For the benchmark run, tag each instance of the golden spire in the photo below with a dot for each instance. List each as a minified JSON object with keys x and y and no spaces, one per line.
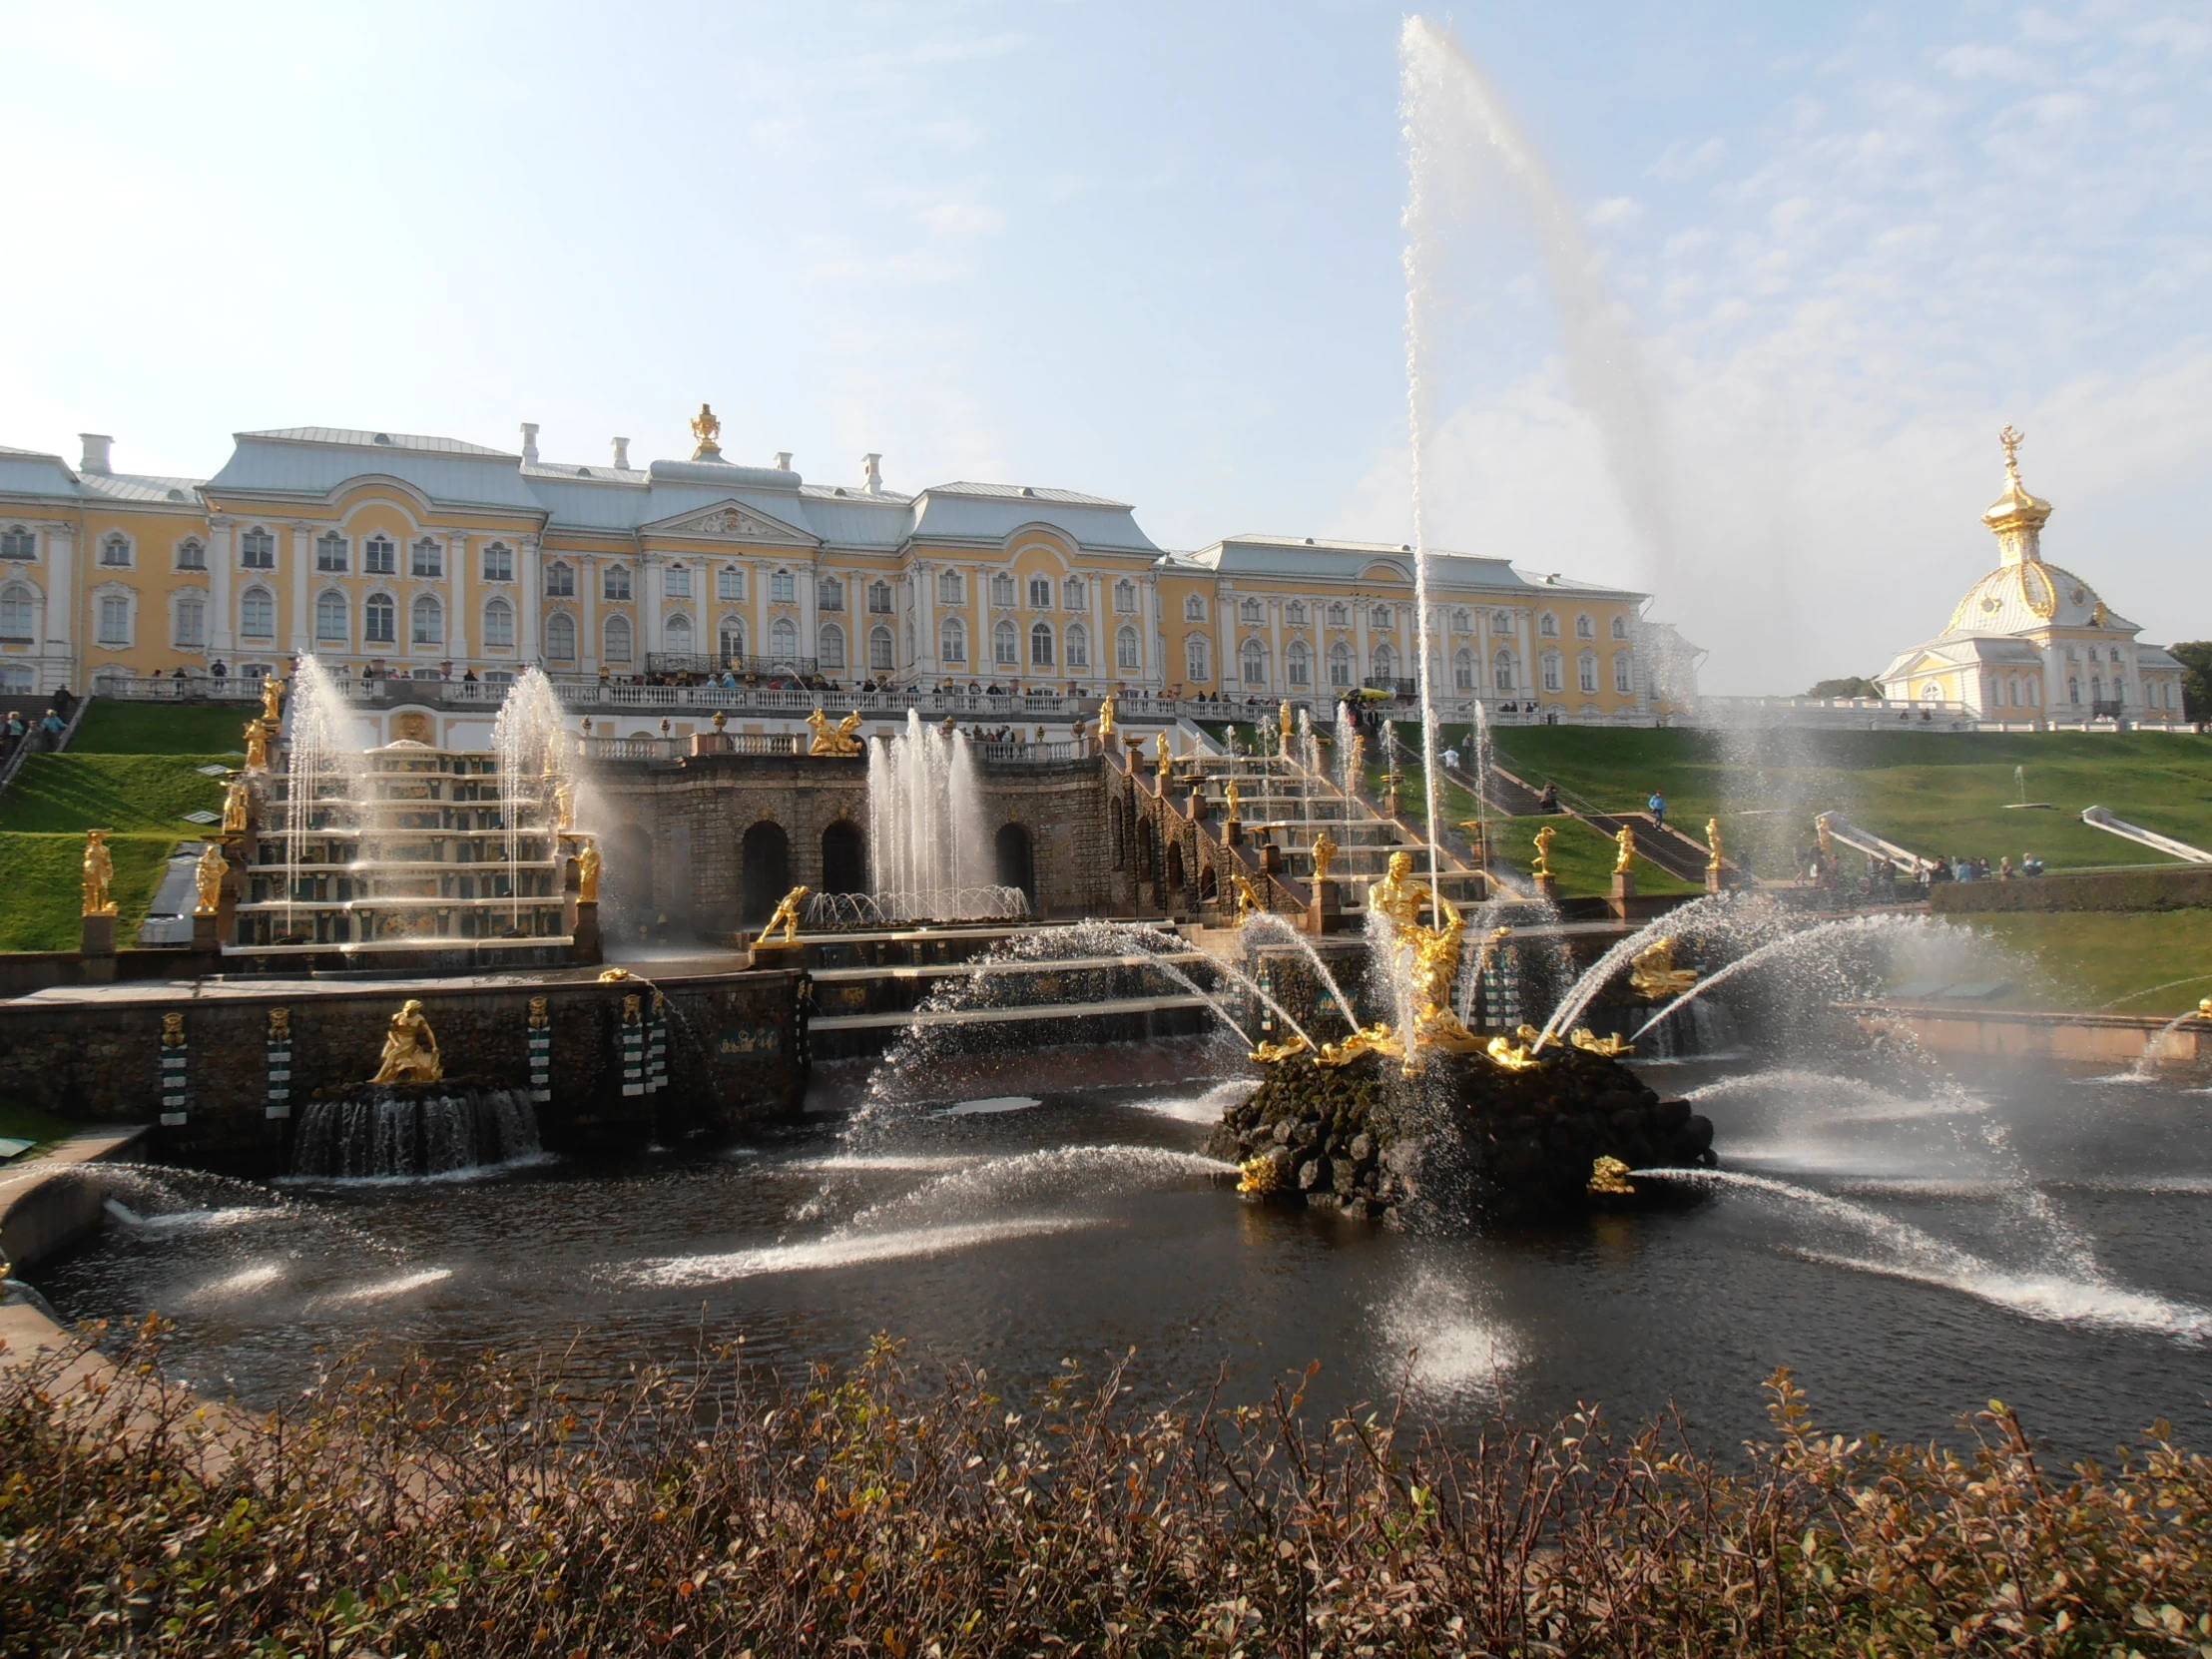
{"x":706,"y":429}
{"x":2017,"y":517}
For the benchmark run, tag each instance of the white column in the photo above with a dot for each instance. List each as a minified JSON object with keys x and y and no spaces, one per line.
{"x":1280,"y":679}
{"x":925,"y":665}
{"x":60,"y":614}
{"x":456,"y":625}
{"x":1359,"y":663}
{"x":1525,"y":622}
{"x":529,"y":599}
{"x":810,"y":638}
{"x":1152,"y":640}
{"x":221,"y":556}
{"x":652,"y":598}
{"x":1104,"y":663}
{"x":297,"y":639}
{"x":1225,"y":635}
{"x":587,"y":588}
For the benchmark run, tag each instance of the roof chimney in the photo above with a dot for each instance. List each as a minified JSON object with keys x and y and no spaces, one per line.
{"x":96,"y":451}
{"x":529,"y":444}
{"x":622,"y":454}
{"x":783,"y":460}
{"x":872,"y":473}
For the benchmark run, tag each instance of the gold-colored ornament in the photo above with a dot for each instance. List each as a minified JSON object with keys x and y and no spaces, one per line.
{"x":706,"y":429}
{"x":1512,"y":1055}
{"x":273,"y":699}
{"x":1283,"y":716}
{"x":1653,"y":975}
{"x":1713,"y":844}
{"x":173,"y":1030}
{"x":237,"y":800}
{"x":1610,"y":1045}
{"x":2204,"y":1008}
{"x":1609,"y":1178}
{"x":614,"y":976}
{"x":1827,"y":837}
{"x":1228,"y":794}
{"x":410,"y":1048}
{"x":1162,"y":760}
{"x":836,"y":740}
{"x":1259,"y":1175}
{"x":587,"y":872}
{"x":1267,"y":1054}
{"x":564,"y":803}
{"x":785,"y":917}
{"x":256,"y":746}
{"x":1544,"y":838}
{"x":1369,"y":1039}
{"x":208,"y":876}
{"x":632,"y":1010}
{"x":1106,"y":716}
{"x":1248,"y":902}
{"x":1325,"y":853}
{"x":539,"y":1018}
{"x":1398,"y":895}
{"x":99,"y":874}
{"x":1625,"y":840}
{"x":279,"y":1025}
{"x":719,"y":718}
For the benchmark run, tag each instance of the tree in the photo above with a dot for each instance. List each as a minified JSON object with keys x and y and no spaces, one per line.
{"x":2196,"y":689}
{"x":1851,"y":686}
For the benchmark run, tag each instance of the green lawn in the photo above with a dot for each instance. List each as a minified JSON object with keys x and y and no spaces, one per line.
{"x":197,"y":729}
{"x":26,"y":1123}
{"x":2099,"y":960}
{"x":124,"y":792}
{"x":42,"y":888}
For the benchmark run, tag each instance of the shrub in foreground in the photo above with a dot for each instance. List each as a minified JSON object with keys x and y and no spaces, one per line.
{"x":709,"y":1510}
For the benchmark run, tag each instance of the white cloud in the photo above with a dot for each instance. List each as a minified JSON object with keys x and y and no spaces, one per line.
{"x":1616,"y":210}
{"x":951,"y":220}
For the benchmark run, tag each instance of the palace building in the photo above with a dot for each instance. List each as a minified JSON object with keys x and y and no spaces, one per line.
{"x":386,"y":553}
{"x":2033,"y":642}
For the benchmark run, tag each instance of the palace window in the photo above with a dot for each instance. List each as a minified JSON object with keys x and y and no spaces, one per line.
{"x":730,"y":638}
{"x":1255,"y":665}
{"x":1125,"y":598}
{"x":1251,"y":614}
{"x":616,"y":633}
{"x":1552,"y":667}
{"x":1501,"y":622}
{"x":1002,"y":589}
{"x":1194,"y":607}
{"x":1463,"y":671}
{"x":1040,"y":593}
{"x":1586,"y":671}
{"x":783,"y":588}
{"x":560,"y":638}
{"x":1620,"y":627}
{"x":730,"y":582}
{"x":829,"y":647}
{"x":1462,"y":622}
{"x":1624,"y":674}
{"x":1339,"y":666}
{"x":379,"y":557}
{"x":190,"y":555}
{"x":256,"y":613}
{"x":1126,"y":650}
{"x":258,"y":550}
{"x":560,"y":580}
{"x":1502,"y":663}
{"x":1298,"y":667}
{"x":676,"y":634}
{"x":1040,"y":645}
{"x":879,"y":599}
{"x":952,"y":589}
{"x":1584,"y":628}
{"x":115,"y":619}
{"x":615,"y":584}
{"x":329,"y":553}
{"x":1385,"y":663}
{"x":429,"y":622}
{"x":115,"y":553}
{"x":18,"y":614}
{"x":880,"y":650}
{"x":783,"y":639}
{"x":499,"y":626}
{"x":1079,"y":646}
{"x":1072,"y":596}
{"x":426,"y":560}
{"x":1339,"y":615}
{"x":830,"y":593}
{"x":191,"y":622}
{"x":1378,"y":619}
{"x":1006,"y":645}
{"x":380,"y":619}
{"x":1548,"y":626}
{"x":16,"y":542}
{"x":952,"y":641}
{"x":1295,"y":613}
{"x":498,"y":562}
{"x":1197,"y":658}
{"x":675,"y":580}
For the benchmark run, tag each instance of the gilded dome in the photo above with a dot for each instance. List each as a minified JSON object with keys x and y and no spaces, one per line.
{"x":2019,"y":598}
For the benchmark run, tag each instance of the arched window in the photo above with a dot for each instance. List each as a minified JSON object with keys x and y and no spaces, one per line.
{"x":1197,"y":660}
{"x":1126,"y":654}
{"x":1294,"y":614}
{"x":1125,"y":598}
{"x":783,"y":639}
{"x":1502,"y":666}
{"x":1255,"y":665}
{"x":115,"y":552}
{"x":616,"y":635}
{"x":192,"y":621}
{"x":1552,"y":668}
{"x":952,"y":640}
{"x":115,"y":620}
{"x":1378,"y":619}
{"x":615,"y":584}
{"x":258,"y":550}
{"x":1933,"y":692}
{"x":499,"y":562}
{"x":1385,"y":663}
{"x":1620,"y":627}
{"x":676,"y":635}
{"x":1548,"y":626}
{"x":1624,"y":673}
{"x":829,"y":647}
{"x":426,"y":560}
{"x":191,"y":554}
{"x":332,"y":626}
{"x":429,"y":620}
{"x":1251,"y":612}
{"x":1298,"y":666}
{"x":1461,"y":622}
{"x":1463,"y":670}
{"x":499,"y":626}
{"x":1501,"y":622}
{"x":676,"y":581}
{"x":18,"y":613}
{"x":1040,"y":593}
{"x":560,"y":638}
{"x":830,"y":593}
{"x":952,"y":590}
{"x":730,"y":582}
{"x":1586,"y":671}
{"x":1006,"y":645}
{"x":378,"y":556}
{"x":1002,"y":589}
{"x":1194,"y":607}
{"x":560,"y":580}
{"x":880,"y":650}
{"x":1339,"y":666}
{"x":1078,"y":646}
{"x":730,"y":639}
{"x":2073,"y":693}
{"x":1072,"y":594}
{"x":256,"y":613}
{"x":1040,"y":645}
{"x":879,"y":599}
{"x":18,"y":542}
{"x":1339,"y":615}
{"x":1584,"y":628}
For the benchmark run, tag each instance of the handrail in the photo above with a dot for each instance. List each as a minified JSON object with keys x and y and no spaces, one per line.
{"x":2102,"y":818}
{"x":27,"y":748}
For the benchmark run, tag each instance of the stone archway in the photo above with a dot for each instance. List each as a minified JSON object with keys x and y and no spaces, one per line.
{"x":763,"y":872}
{"x":1017,"y":867}
{"x":844,"y":857}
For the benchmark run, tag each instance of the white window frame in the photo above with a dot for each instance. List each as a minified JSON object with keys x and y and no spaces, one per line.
{"x":498,"y":625}
{"x":615,"y":624}
{"x":615,"y":577}
{"x":497,"y":562}
{"x":426,"y":605}
{"x":426,"y":559}
{"x":557,"y":624}
{"x":952,"y":640}
{"x":1005,"y":644}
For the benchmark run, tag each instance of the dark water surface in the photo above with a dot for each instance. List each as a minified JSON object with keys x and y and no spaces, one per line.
{"x":1909,"y":1253}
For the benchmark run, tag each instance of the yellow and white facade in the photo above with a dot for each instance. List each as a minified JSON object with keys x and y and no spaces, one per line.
{"x":390,"y":553}
{"x":2033,"y":642}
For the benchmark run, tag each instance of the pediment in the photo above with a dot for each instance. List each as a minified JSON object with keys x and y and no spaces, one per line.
{"x":732,"y":521}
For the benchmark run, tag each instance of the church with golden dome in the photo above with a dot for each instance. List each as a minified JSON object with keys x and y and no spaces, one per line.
{"x":2033,"y":642}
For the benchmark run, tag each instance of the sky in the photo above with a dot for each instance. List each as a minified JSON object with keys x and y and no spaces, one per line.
{"x":1156,"y":253}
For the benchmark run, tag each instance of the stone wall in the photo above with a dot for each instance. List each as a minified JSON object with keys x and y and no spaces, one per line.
{"x":735,"y":1056}
{"x":2182,"y":887}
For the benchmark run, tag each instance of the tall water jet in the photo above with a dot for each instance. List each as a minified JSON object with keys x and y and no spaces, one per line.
{"x":525,"y":734}
{"x":322,"y":760}
{"x":929,"y":857}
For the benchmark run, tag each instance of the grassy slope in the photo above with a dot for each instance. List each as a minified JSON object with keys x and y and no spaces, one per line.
{"x":145,"y":793}
{"x":112,"y":728}
{"x":2091,"y":961}
{"x":42,"y":888}
{"x":25,"y":1123}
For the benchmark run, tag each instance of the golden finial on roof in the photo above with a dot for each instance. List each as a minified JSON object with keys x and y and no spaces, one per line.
{"x":2012,"y":437}
{"x":2017,"y":518}
{"x":706,"y":429}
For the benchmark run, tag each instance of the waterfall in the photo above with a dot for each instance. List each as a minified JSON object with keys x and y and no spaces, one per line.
{"x":381,"y":1131}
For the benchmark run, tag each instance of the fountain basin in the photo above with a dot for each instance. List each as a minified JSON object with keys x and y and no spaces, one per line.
{"x":402,"y":1129}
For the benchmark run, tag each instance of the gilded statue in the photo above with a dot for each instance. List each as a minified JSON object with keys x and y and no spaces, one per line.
{"x":1609,"y":1178}
{"x":1162,"y":760}
{"x":835,"y":739}
{"x":587,"y":872}
{"x":410,"y":1048}
{"x":564,"y":803}
{"x":1398,"y":895}
{"x":173,"y":1030}
{"x":1283,"y":716}
{"x":99,"y":874}
{"x":1544,"y":838}
{"x":1106,"y":716}
{"x":706,"y":429}
{"x":1513,"y":1056}
{"x":1259,"y":1175}
{"x":1267,"y":1054}
{"x":1609,"y":1045}
{"x":1228,"y":794}
{"x":273,"y":699}
{"x":1625,"y":840}
{"x":1325,"y":854}
{"x":279,"y":1025}
{"x":237,"y":802}
{"x":1652,"y":973}
{"x":208,"y":876}
{"x":256,"y":746}
{"x":1827,"y":839}
{"x":1248,"y":902}
{"x":1713,"y":844}
{"x":539,"y":1018}
{"x":785,"y":917}
{"x":1368,"y":1039}
{"x":1357,"y":770}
